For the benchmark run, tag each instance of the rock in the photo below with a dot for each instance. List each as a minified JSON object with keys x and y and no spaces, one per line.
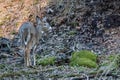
{"x":112,"y":21}
{"x":61,"y":59}
{"x":5,"y":45}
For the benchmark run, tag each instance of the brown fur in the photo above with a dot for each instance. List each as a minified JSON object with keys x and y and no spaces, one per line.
{"x":30,"y":35}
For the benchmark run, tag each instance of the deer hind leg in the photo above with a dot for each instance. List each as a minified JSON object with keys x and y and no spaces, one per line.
{"x":27,"y":57}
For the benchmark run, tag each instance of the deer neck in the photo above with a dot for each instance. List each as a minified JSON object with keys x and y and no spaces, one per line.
{"x":38,"y":34}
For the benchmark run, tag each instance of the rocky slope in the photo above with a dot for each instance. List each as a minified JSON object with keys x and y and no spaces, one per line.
{"x":77,"y":25}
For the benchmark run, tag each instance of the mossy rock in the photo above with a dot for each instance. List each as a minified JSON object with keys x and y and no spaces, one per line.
{"x":84,"y":58}
{"x":46,"y":61}
{"x":84,"y":54}
{"x":83,"y":62}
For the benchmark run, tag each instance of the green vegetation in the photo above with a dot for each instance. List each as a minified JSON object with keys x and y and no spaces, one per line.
{"x":46,"y":61}
{"x":84,"y":58}
{"x":84,"y":54}
{"x":109,"y":63}
{"x":72,"y":33}
{"x":74,"y":24}
{"x":111,"y":60}
{"x":111,"y":57}
{"x":118,"y":60}
{"x":84,"y":62}
{"x":2,"y":66}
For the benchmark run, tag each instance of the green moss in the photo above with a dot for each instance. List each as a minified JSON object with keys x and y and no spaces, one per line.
{"x":46,"y":61}
{"x":84,"y":58}
{"x":84,"y":62}
{"x":84,"y":54}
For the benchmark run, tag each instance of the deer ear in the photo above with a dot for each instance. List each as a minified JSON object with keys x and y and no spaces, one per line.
{"x":38,"y":21}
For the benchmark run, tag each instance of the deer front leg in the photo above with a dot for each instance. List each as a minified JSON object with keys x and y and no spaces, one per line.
{"x":33,"y":56}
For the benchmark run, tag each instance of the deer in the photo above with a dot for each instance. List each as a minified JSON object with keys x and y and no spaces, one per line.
{"x":30,"y":35}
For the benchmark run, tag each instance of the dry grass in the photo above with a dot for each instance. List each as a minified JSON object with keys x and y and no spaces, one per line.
{"x":15,"y":12}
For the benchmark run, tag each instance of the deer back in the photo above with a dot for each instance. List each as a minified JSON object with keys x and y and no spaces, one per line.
{"x":27,"y":34}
